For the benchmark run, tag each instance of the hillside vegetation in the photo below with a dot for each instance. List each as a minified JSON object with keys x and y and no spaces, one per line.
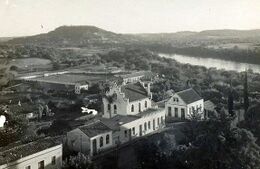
{"x":234,"y":45}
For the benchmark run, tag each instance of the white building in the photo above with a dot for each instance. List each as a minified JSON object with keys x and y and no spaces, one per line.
{"x":42,"y":154}
{"x":90,"y":139}
{"x":128,"y":110}
{"x":184,"y":104}
{"x":134,"y":77}
{"x":128,"y":113}
{"x":129,"y":99}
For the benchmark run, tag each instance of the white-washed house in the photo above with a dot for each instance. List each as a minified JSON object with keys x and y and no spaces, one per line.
{"x":41,"y":154}
{"x":90,"y":138}
{"x":128,"y":113}
{"x":129,"y":109}
{"x":184,"y":104}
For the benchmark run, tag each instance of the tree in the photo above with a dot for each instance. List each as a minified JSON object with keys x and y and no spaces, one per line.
{"x":246,"y":101}
{"x":252,"y":120}
{"x":218,"y":145}
{"x":80,"y":161}
{"x":231,"y":102}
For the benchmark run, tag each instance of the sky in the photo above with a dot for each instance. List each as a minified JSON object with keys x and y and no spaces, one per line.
{"x":30,"y":17}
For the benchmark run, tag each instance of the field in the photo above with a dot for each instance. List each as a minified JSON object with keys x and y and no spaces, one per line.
{"x":29,"y":62}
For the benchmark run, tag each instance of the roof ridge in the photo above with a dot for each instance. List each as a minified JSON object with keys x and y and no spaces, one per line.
{"x":88,"y":124}
{"x":22,"y":145}
{"x":185,"y":90}
{"x":137,"y":91}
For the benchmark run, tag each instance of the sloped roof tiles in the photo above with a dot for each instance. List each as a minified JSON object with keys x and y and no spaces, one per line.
{"x":134,"y":91}
{"x":189,"y":95}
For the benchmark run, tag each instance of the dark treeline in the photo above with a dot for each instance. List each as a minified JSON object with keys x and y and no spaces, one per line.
{"x":232,"y":54}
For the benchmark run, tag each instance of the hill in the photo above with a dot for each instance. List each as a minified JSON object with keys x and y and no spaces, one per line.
{"x":207,"y":37}
{"x":77,"y":36}
{"x":4,"y":39}
{"x":84,"y":36}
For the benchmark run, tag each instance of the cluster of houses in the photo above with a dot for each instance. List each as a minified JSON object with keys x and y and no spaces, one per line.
{"x":128,"y":113}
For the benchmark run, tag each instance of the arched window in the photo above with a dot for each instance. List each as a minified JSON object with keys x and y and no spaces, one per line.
{"x":107,"y":139}
{"x":145,"y":104}
{"x":132,"y":108}
{"x":115,"y":109}
{"x":101,"y":142}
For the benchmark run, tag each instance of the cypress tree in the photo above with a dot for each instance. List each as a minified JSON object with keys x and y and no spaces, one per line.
{"x":246,"y":101}
{"x":231,"y":102}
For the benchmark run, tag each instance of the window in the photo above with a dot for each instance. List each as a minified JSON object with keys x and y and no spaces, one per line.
{"x":107,"y":139}
{"x":177,"y":99}
{"x":170,"y":111}
{"x":41,"y":165}
{"x":28,"y":167}
{"x":145,"y":104}
{"x":140,"y":107}
{"x":158,"y":121}
{"x":149,"y":125}
{"x":153,"y":124}
{"x":133,"y":130}
{"x":132,"y":108}
{"x":140,"y":130}
{"x":115,"y":109}
{"x":145,"y":126}
{"x":162,"y":119}
{"x":176,"y":111}
{"x":101,"y":142}
{"x":125,"y":133}
{"x":53,"y":160}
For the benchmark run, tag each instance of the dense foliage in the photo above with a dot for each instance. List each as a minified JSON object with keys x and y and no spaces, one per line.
{"x":217,"y":145}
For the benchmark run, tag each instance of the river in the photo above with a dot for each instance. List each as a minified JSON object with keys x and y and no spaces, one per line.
{"x":210,"y":62}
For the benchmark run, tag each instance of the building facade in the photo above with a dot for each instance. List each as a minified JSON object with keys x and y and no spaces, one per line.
{"x":42,"y":154}
{"x":129,"y":99}
{"x":129,"y":108}
{"x":185,"y":104}
{"x":90,"y":139}
{"x":128,"y":113}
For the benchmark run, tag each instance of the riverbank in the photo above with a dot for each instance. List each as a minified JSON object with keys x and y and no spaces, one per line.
{"x":213,"y":63}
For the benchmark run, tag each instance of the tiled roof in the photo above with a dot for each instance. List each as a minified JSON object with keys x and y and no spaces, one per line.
{"x":94,"y":129}
{"x":150,"y":111}
{"x":208,"y":105}
{"x":115,"y":122}
{"x":11,"y":154}
{"x":189,"y":96}
{"x":134,"y":91}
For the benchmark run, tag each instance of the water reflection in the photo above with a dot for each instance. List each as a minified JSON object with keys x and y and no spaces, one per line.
{"x":217,"y":63}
